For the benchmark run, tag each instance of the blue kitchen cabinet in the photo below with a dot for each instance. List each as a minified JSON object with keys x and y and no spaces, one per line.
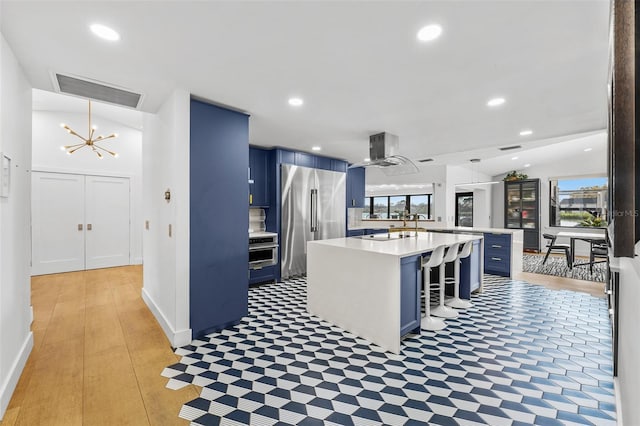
{"x":355,"y":187}
{"x":305,"y":160}
{"x":355,"y":232}
{"x":339,"y":165}
{"x":284,"y":156}
{"x":219,"y":159}
{"x":497,"y":254}
{"x":323,"y":163}
{"x":370,"y":231}
{"x":258,"y":173}
{"x":470,"y":272}
{"x":262,"y":275}
{"x":410,"y":289}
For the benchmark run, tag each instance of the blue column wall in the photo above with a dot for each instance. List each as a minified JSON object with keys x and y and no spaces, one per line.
{"x":219,"y":160}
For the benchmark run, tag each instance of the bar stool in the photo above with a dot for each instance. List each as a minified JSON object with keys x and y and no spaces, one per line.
{"x":455,"y":301}
{"x":442,"y":310}
{"x":434,"y":260}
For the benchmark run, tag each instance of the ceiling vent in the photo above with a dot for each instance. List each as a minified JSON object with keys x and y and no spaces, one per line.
{"x":425,"y":160}
{"x":509,"y":148}
{"x":97,"y":90}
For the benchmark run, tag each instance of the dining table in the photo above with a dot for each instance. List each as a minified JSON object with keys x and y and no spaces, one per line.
{"x":590,"y":237}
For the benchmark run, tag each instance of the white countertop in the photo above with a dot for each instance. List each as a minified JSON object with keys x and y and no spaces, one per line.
{"x":399,"y":247}
{"x":262,"y":234}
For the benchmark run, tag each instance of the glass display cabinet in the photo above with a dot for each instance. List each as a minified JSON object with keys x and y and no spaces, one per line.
{"x":522,"y":210}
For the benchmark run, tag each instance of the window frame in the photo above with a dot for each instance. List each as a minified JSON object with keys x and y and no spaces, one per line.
{"x":551,"y":205}
{"x":407,"y":198}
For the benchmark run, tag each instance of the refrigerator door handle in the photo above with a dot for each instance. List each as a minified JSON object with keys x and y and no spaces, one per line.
{"x":314,"y":210}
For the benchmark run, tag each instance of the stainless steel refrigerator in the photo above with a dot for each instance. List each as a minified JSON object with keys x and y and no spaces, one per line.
{"x":313,"y":208}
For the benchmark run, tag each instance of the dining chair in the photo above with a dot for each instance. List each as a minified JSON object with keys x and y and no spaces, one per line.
{"x":599,"y":250}
{"x":553,"y":246}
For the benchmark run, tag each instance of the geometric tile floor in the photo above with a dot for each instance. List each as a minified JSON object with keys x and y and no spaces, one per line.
{"x":522,"y":355}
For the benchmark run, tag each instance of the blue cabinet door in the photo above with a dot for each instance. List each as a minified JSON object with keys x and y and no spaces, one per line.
{"x":305,"y":160}
{"x":259,"y":189}
{"x":470,"y":272}
{"x":355,"y":232}
{"x":323,"y":163}
{"x":497,"y":254}
{"x":218,"y":240}
{"x":355,"y":187}
{"x":339,"y":166}
{"x":410,"y":288}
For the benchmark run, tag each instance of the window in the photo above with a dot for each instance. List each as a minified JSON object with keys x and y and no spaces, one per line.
{"x":380,"y":208}
{"x":392,"y":207}
{"x":420,"y":205}
{"x":578,"y":202}
{"x":397,"y":206}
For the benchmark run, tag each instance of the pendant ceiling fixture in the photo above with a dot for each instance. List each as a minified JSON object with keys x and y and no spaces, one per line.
{"x":88,"y":141}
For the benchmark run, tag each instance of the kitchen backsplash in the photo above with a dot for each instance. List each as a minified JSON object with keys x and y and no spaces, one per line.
{"x":354,"y":216}
{"x":256,"y":220}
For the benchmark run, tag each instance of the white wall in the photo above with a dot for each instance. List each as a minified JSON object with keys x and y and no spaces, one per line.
{"x":16,"y":339}
{"x":628,"y":381}
{"x":165,"y":165}
{"x":48,"y":137}
{"x":581,"y":164}
{"x":457,"y":175}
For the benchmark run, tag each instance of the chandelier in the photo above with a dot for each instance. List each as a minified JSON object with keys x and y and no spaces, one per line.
{"x":88,"y":141}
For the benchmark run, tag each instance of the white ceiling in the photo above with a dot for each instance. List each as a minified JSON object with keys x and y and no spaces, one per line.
{"x":356,"y":64}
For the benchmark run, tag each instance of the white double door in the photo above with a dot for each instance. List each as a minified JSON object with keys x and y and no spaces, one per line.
{"x":79,"y":222}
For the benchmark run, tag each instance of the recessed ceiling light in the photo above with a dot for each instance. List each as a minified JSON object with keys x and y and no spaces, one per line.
{"x":495,"y":102}
{"x":295,"y":101}
{"x":527,"y":165}
{"x":587,"y":149}
{"x":514,"y":158}
{"x":316,"y":148}
{"x":429,"y":33}
{"x":526,"y":132}
{"x":367,"y":159}
{"x":105,"y":32}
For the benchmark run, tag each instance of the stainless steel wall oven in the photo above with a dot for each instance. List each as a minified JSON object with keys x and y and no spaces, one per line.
{"x":263,"y":251}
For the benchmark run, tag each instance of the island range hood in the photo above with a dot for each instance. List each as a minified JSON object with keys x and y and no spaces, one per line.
{"x":383,"y":154}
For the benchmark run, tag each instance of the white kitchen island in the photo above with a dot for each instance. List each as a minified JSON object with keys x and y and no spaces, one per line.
{"x":371,"y":286}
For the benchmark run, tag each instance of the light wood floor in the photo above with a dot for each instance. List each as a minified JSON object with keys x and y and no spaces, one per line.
{"x":99,"y":352}
{"x":97,"y":357}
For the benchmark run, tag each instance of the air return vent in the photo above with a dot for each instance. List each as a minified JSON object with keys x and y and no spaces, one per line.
{"x":509,"y":148}
{"x":97,"y":90}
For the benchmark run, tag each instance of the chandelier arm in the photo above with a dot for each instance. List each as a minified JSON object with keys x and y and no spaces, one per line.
{"x":105,"y":150}
{"x":100,"y":139}
{"x":71,"y":131}
{"x":74,"y":150}
{"x":73,"y":146}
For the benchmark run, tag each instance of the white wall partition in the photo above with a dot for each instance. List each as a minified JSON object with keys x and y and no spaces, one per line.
{"x":166,"y":241}
{"x":16,"y":339}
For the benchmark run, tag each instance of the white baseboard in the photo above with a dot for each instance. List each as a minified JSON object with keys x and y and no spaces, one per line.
{"x":616,"y":390}
{"x":176,"y":338}
{"x":9,"y":385}
{"x":137,"y":260}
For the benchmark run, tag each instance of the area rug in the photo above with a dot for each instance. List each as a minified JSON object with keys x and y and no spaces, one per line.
{"x":557,"y":265}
